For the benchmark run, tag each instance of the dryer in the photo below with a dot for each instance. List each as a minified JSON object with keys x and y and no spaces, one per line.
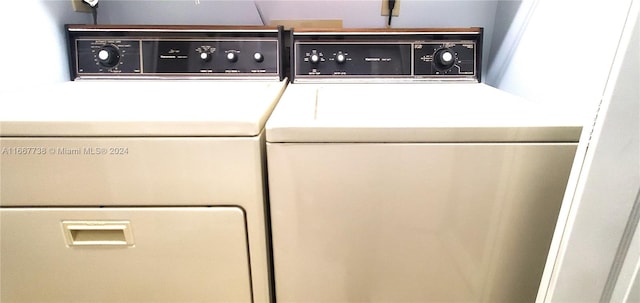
{"x":143,"y":179}
{"x":395,"y":175}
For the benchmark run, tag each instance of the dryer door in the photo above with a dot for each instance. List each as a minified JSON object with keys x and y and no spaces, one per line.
{"x":168,"y":254}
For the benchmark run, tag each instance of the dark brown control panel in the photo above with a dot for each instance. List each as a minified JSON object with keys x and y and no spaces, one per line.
{"x":420,"y":54}
{"x":175,"y":51}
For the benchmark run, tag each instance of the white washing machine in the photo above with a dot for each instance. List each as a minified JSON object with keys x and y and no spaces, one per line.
{"x":396,"y":176}
{"x":143,"y":180}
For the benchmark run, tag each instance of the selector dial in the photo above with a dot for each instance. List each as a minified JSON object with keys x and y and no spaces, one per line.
{"x":108,"y":56}
{"x":444,"y":58}
{"x":232,"y":57}
{"x":314,"y":58}
{"x":340,"y":57}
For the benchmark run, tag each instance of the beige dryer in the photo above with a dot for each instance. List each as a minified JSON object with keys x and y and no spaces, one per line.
{"x":137,"y":190}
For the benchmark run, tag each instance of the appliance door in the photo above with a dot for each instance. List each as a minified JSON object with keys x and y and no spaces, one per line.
{"x":163,"y":254}
{"x":114,"y":173}
{"x":376,"y":222}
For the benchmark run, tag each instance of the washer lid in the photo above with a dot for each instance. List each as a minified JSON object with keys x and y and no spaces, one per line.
{"x":141,"y":108}
{"x":452,"y":112}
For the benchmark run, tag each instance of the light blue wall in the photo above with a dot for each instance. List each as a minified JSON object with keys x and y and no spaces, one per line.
{"x":506,"y":12}
{"x":354,"y":13}
{"x":33,"y":47}
{"x":214,"y":12}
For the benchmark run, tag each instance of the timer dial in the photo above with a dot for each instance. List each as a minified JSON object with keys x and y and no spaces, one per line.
{"x":108,"y":56}
{"x":444,"y":58}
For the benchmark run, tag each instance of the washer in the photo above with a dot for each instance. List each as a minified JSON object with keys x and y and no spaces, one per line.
{"x":143,"y":180}
{"x":395,"y":175}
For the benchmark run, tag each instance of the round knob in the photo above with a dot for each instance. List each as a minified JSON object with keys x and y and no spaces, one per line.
{"x":258,"y":57}
{"x":314,"y":58}
{"x":232,"y":57}
{"x":340,"y":58}
{"x":206,"y":57}
{"x":108,"y":56}
{"x":444,"y":58}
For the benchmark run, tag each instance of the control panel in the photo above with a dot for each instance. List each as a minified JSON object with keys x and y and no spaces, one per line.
{"x":405,"y":55}
{"x":175,"y":51}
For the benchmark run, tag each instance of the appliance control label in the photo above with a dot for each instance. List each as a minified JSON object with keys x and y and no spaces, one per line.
{"x":175,"y":52}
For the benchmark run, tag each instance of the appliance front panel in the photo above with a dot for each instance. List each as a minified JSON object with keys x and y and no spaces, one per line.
{"x":131,"y":171}
{"x":175,"y":254}
{"x":368,"y":222}
{"x":143,"y":172}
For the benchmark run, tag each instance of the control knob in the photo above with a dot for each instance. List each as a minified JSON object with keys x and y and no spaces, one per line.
{"x":314,"y":58}
{"x":444,"y":58}
{"x":258,"y":57}
{"x":206,"y":57}
{"x":232,"y":57}
{"x":340,"y":58}
{"x":108,"y":56}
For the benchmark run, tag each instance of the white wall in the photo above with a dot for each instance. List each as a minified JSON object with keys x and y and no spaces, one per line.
{"x":33,"y":48}
{"x":597,"y":222}
{"x":565,"y":53}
